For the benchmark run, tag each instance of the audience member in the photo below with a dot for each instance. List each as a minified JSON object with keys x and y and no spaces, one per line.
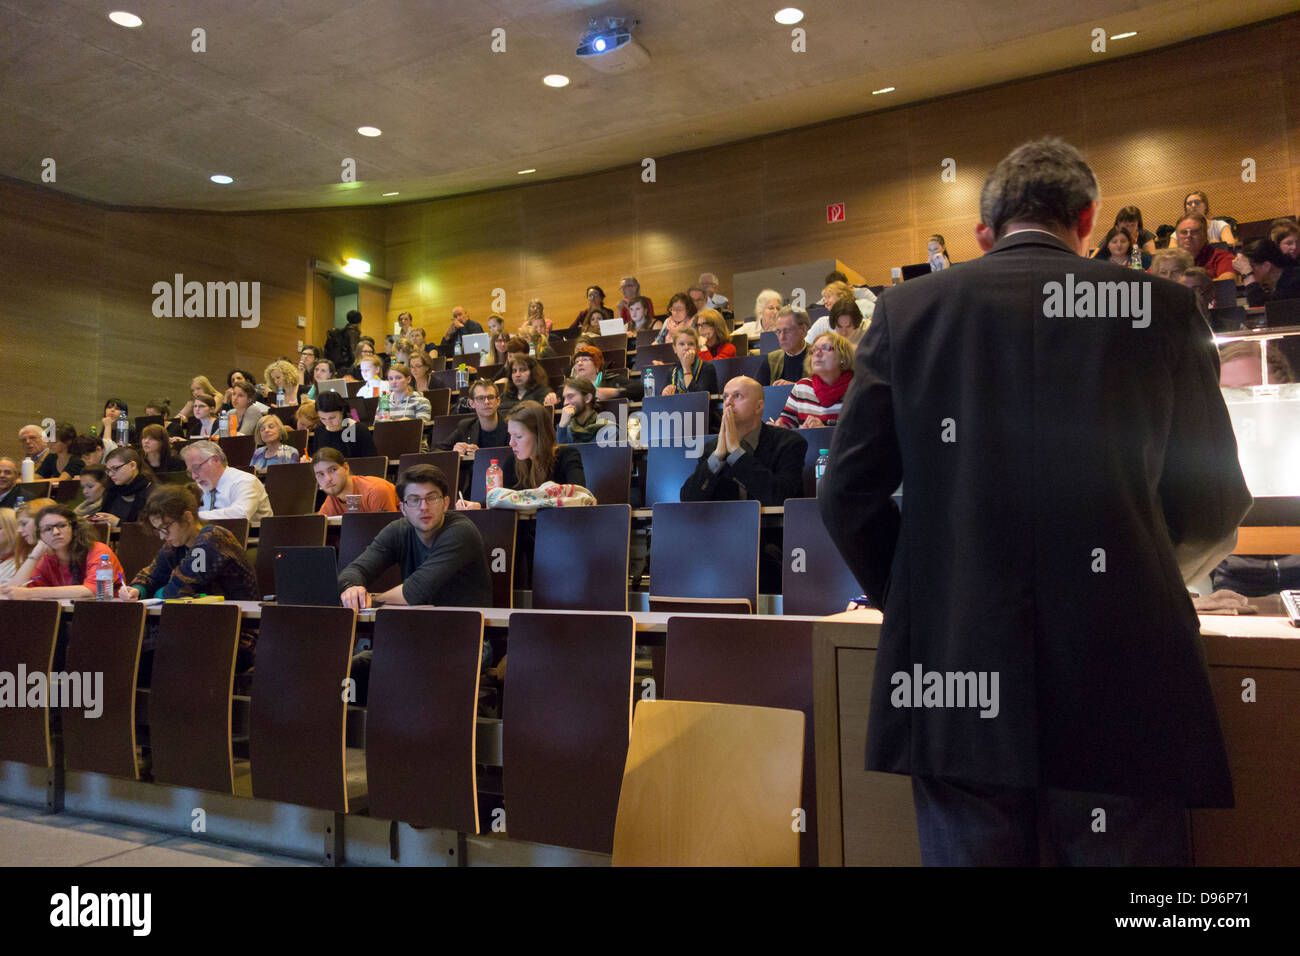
{"x":61,"y":463}
{"x":350,"y":437}
{"x":936,"y":250}
{"x":589,"y":363}
{"x":199,"y":385}
{"x":32,"y":438}
{"x":595,"y":303}
{"x":94,"y":486}
{"x":308,"y":356}
{"x":641,"y":317}
{"x":767,"y":306}
{"x":535,"y":458}
{"x":461,"y":326}
{"x":132,"y":483}
{"x":1269,"y":273}
{"x":440,"y":555}
{"x":162,"y":407}
{"x":63,"y":562}
{"x":712,"y":297}
{"x":579,"y":421}
{"x":114,"y":410}
{"x":306,"y":418}
{"x":1286,"y":233}
{"x":487,"y":429}
{"x":536,"y":332}
{"x":528,"y":382}
{"x":282,"y":374}
{"x":273,"y":446}
{"x":846,"y":319}
{"x":372,"y":373}
{"x":403,"y":400}
{"x":1191,"y":237}
{"x":89,"y":450}
{"x":715,"y":340}
{"x":9,"y":490}
{"x":816,"y":400}
{"x":631,"y":290}
{"x":204,"y":407}
{"x":1199,"y":281}
{"x":227,"y":492}
{"x":335,"y":478}
{"x":690,"y":373}
{"x":1217,"y":230}
{"x":1117,"y":247}
{"x":421,"y":368}
{"x":1240,"y":365}
{"x":419,"y":342}
{"x":245,"y":407}
{"x":8,"y":541}
{"x":1130,"y":220}
{"x":322,"y":371}
{"x":681,"y":310}
{"x":698,"y":297}
{"x":156,"y":449}
{"x":1170,"y":263}
{"x":28,"y":534}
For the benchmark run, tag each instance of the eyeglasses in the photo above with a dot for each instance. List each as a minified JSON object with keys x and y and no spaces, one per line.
{"x":114,"y":469}
{"x":164,"y":529}
{"x":486,"y":398}
{"x":414,"y":501}
{"x":819,"y":349}
{"x":55,"y":528}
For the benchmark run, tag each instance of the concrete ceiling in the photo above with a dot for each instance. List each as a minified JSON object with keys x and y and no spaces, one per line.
{"x":136,"y":117}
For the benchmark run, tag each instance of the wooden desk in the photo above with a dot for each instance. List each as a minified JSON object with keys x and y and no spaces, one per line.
{"x":867,"y":818}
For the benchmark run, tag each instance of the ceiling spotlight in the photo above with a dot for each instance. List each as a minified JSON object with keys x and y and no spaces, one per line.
{"x":1125,"y":36}
{"x":556,"y":80}
{"x":124,"y":19}
{"x":525,"y":172}
{"x":356,"y":267}
{"x":789,"y":15}
{"x":883,"y":89}
{"x":386,"y":195}
{"x":604,"y":35}
{"x":221,"y":178}
{"x":369,"y":130}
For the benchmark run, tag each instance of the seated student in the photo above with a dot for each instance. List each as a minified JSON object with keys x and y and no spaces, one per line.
{"x":767,"y":307}
{"x":156,"y":449}
{"x":28,"y":535}
{"x":8,"y":544}
{"x":487,"y":429}
{"x":350,"y":437}
{"x":589,"y":318}
{"x":1286,"y":233}
{"x":132,"y":483}
{"x":580,"y":422}
{"x":94,"y":485}
{"x":1130,"y":220}
{"x":273,"y":446}
{"x":846,"y":319}
{"x":421,"y":367}
{"x":245,"y":407}
{"x":9,"y":490}
{"x":1199,"y":281}
{"x":63,"y":562}
{"x":199,"y":385}
{"x":535,"y":332}
{"x":114,"y":411}
{"x":282,"y":374}
{"x":441,"y":555}
{"x":631,"y":289}
{"x":61,"y":463}
{"x":1170,"y":263}
{"x":322,"y":371}
{"x":335,"y":478}
{"x":227,"y":492}
{"x":748,"y":459}
{"x":89,"y":450}
{"x":306,"y":418}
{"x":715,"y":340}
{"x":224,"y":569}
{"x":308,"y":356}
{"x":784,"y":366}
{"x":372,"y":373}
{"x":589,"y":363}
{"x":403,"y":400}
{"x":162,"y":407}
{"x":205,"y":417}
{"x":641,"y":316}
{"x":535,"y":458}
{"x":816,"y":400}
{"x":528,"y":382}
{"x":1217,"y":230}
{"x":1117,"y":248}
{"x":689,"y":372}
{"x":1269,"y":273}
{"x":681,"y":312}
{"x":712,"y":297}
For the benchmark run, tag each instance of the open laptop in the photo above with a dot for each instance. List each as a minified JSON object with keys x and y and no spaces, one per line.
{"x":338,"y":386}
{"x":1225,"y":293}
{"x":612,"y":327}
{"x":476,"y":342}
{"x":307,"y":576}
{"x":916,"y":271}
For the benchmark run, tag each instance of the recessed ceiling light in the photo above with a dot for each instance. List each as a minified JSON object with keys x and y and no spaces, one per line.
{"x":789,"y":15}
{"x":124,"y":19}
{"x":369,"y":130}
{"x":883,"y":89}
{"x":221,"y":178}
{"x":556,"y":79}
{"x":388,"y":194}
{"x":1125,"y":36}
{"x":525,"y":172}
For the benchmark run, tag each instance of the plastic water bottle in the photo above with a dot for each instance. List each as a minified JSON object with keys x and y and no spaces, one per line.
{"x":381,"y":413}
{"x":493,"y":475}
{"x":823,"y":459}
{"x":20,"y":502}
{"x":457,"y":349}
{"x":648,"y":380}
{"x":532,"y":348}
{"x":1135,"y":257}
{"x":462,"y":377}
{"x":122,"y":431}
{"x":104,"y":580}
{"x":279,"y":398}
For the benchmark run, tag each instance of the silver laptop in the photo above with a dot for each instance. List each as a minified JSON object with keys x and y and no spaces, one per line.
{"x":338,"y":386}
{"x":612,"y":327}
{"x":476,"y":342}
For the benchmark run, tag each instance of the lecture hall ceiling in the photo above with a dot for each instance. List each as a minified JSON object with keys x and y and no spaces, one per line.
{"x":137,"y":117}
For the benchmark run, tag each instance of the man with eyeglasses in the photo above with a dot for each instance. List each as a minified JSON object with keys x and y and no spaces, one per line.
{"x":440,"y":553}
{"x":461,"y":326}
{"x":486,"y":429}
{"x":1191,"y":235}
{"x":335,"y":478}
{"x":227,"y":492}
{"x":784,"y":366}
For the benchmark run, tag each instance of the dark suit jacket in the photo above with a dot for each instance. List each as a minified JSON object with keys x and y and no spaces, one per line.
{"x":770,"y":474}
{"x":1058,"y":474}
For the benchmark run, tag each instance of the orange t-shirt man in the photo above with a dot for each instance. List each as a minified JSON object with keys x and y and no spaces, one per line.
{"x":377,"y":494}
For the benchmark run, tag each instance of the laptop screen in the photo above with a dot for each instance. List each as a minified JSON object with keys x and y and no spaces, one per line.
{"x":307,"y":576}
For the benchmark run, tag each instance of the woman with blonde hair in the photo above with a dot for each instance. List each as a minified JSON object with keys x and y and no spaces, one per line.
{"x":25,"y":516}
{"x":715,"y":340}
{"x":817,"y":399}
{"x":282,"y":374}
{"x":8,"y":544}
{"x":273,"y":446}
{"x":199,"y":385}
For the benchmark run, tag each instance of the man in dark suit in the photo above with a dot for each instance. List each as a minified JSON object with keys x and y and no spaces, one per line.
{"x":1068,"y":465}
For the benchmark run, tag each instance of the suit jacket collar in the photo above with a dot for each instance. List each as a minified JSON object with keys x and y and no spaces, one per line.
{"x":1030,"y":237}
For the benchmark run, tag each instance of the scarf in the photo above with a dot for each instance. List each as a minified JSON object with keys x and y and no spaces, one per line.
{"x":832,"y":394}
{"x":679,"y":377}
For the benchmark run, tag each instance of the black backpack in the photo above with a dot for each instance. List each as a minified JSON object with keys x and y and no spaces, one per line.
{"x":338,"y":349}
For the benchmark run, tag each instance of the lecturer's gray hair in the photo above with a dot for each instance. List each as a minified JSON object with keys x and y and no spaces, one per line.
{"x":1046,"y":182}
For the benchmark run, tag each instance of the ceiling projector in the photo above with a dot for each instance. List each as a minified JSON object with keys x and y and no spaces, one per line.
{"x":608,"y":46}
